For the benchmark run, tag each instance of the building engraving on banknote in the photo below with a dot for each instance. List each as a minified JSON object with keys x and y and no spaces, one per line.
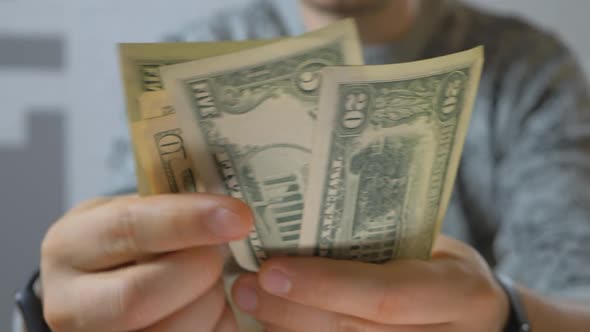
{"x":372,"y":177}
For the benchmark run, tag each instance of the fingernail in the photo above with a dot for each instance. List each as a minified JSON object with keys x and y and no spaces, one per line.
{"x":275,"y":282}
{"x":246,"y":298}
{"x":226,"y":223}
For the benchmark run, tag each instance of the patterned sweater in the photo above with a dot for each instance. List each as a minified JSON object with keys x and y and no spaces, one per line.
{"x":522,"y":195}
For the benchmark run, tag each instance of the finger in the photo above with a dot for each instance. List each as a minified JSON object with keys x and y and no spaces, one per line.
{"x":134,"y":297}
{"x":405,"y":292}
{"x":283,"y":315}
{"x":130,"y":228}
{"x":203,"y":313}
{"x":227,"y":323}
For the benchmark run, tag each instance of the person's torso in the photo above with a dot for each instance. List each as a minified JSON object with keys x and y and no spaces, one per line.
{"x":443,"y":27}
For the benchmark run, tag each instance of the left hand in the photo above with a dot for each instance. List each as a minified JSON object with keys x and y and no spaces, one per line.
{"x":453,"y":292}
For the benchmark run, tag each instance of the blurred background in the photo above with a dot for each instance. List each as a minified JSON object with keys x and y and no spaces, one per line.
{"x":62,"y":105}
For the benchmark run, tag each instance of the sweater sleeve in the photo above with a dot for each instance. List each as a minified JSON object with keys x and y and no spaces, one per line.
{"x":542,"y":188}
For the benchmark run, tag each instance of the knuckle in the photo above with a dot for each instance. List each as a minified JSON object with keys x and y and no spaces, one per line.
{"x":127,"y":307}
{"x":123,"y":238}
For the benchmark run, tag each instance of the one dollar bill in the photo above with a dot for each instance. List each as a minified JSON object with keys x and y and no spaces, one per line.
{"x":386,"y":150}
{"x":248,"y":120}
{"x":159,"y":147}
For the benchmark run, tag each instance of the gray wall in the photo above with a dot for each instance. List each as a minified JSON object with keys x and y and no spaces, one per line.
{"x":62,"y":104}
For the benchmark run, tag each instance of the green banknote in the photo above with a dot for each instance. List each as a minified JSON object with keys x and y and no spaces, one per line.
{"x":140,"y":65}
{"x":386,"y":149}
{"x":248,"y":117}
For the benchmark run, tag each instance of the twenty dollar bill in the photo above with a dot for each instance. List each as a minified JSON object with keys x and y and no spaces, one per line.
{"x":386,"y":150}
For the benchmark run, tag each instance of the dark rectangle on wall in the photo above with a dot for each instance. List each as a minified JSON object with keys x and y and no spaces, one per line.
{"x":32,"y":196}
{"x":31,"y":52}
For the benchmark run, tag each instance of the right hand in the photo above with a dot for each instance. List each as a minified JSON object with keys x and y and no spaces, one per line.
{"x":141,"y":264}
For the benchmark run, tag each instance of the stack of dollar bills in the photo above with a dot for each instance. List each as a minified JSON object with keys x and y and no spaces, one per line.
{"x":336,"y":159}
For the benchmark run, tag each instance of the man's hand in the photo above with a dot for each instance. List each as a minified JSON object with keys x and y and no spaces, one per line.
{"x":141,"y":264}
{"x":454,"y":292}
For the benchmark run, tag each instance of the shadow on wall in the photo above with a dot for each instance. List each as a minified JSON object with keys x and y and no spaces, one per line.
{"x":32,"y":177}
{"x":31,"y":52}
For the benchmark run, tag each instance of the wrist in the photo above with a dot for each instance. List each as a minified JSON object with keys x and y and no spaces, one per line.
{"x":29,"y":312}
{"x":502,"y":307}
{"x":515,"y":319}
